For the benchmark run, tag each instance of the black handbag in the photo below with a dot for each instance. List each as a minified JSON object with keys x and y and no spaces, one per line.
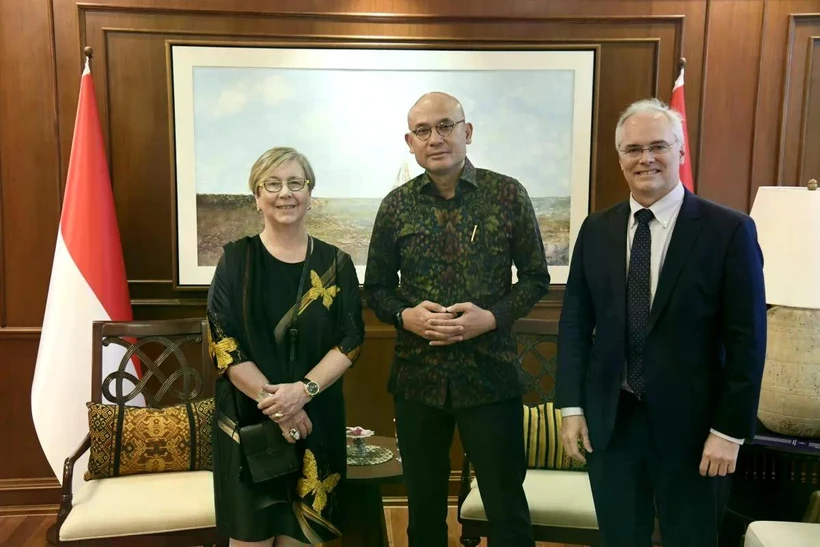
{"x":267,"y":453}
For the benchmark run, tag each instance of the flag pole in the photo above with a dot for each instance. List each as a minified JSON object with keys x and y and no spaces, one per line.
{"x":89,"y":53}
{"x":678,"y":104}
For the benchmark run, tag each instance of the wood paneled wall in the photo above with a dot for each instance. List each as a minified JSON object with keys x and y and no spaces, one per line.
{"x":753,"y":104}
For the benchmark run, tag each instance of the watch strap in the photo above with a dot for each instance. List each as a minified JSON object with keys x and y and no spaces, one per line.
{"x":398,"y":320}
{"x":306,"y":383}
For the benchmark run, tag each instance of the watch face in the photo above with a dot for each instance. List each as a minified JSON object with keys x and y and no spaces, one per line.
{"x":312,"y":388}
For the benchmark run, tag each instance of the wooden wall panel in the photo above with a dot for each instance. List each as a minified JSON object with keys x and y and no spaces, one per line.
{"x":775,"y":64}
{"x":29,"y":213}
{"x":29,"y":161}
{"x":800,"y":95}
{"x":139,"y":150}
{"x":21,"y":457}
{"x":740,"y":119}
{"x":727,"y":115}
{"x":809,"y":158}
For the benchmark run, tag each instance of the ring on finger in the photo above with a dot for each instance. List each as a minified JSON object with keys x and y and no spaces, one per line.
{"x":278,"y":415}
{"x":294,"y":433}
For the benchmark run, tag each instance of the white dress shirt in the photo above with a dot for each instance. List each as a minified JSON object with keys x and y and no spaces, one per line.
{"x":661,"y":227}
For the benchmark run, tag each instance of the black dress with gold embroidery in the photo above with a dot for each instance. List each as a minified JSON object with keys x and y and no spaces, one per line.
{"x":251,"y":303}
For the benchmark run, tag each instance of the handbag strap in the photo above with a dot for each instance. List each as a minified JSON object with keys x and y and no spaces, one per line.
{"x":293,"y":334}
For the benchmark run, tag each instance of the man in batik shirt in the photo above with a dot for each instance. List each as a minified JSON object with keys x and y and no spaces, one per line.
{"x":453,"y":233}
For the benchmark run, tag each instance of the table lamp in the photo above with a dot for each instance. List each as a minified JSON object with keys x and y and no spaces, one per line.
{"x":788,"y":227}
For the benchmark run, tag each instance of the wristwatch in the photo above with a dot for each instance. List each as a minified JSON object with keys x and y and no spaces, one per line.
{"x":311,"y":387}
{"x":398,"y":321}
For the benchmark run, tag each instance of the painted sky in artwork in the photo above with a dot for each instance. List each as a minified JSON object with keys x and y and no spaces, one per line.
{"x":351,"y":124}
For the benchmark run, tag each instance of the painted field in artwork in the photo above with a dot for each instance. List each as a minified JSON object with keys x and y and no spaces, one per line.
{"x":347,"y":223}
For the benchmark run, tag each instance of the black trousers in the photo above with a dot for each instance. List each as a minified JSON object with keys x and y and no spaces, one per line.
{"x":631,"y":480}
{"x":493,"y":437}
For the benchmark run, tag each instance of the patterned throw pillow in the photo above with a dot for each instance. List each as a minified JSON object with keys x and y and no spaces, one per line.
{"x":137,"y":440}
{"x":542,"y":439}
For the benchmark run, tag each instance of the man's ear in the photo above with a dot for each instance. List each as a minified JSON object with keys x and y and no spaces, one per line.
{"x":468,"y":132}
{"x":408,"y":138}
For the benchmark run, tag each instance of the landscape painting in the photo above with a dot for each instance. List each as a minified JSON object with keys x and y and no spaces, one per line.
{"x":346,"y":110}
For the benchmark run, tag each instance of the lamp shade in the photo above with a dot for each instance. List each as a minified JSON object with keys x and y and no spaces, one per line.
{"x":788,"y":229}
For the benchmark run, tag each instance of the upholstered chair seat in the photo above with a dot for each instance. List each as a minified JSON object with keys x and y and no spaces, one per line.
{"x":141,"y":504}
{"x":764,"y":533}
{"x":557,"y":498}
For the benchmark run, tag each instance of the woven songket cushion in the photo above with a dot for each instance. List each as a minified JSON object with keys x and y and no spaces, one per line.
{"x":133,"y":440}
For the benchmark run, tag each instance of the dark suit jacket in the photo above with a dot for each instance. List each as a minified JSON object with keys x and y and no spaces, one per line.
{"x":706,"y":339}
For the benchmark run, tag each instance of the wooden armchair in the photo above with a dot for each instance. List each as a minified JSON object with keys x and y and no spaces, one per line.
{"x":560,"y":500}
{"x":156,"y":509}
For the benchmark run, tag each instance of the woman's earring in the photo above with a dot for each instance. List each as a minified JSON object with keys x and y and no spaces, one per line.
{"x":310,"y":207}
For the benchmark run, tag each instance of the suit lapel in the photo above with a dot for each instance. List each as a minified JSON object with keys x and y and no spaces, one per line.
{"x":617,"y":246}
{"x":687,"y":228}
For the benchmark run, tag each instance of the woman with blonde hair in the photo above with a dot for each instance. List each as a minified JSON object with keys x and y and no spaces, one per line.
{"x":285,"y":323}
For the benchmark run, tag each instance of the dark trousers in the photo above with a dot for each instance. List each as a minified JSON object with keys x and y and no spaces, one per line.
{"x":493,"y":437}
{"x":631,"y":480}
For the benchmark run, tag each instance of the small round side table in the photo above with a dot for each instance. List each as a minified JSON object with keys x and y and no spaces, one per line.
{"x":365,"y":525}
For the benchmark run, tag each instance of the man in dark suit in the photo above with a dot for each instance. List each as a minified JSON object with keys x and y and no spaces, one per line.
{"x":662,"y":343}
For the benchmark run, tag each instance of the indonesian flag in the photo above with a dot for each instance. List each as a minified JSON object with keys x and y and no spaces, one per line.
{"x":88,"y":283}
{"x":678,"y":103}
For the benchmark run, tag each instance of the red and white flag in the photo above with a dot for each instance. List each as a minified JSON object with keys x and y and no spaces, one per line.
{"x":88,"y":283}
{"x":678,"y":103}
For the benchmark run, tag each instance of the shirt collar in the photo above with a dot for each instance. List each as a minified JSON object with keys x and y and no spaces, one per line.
{"x":663,"y":209}
{"x":468,"y":175}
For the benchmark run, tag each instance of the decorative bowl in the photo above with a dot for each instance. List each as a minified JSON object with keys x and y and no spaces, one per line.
{"x":359,"y":434}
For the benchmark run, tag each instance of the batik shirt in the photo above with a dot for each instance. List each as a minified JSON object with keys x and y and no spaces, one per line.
{"x":449,"y":251}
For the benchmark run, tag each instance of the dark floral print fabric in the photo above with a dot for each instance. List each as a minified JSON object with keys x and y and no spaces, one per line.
{"x":449,"y":251}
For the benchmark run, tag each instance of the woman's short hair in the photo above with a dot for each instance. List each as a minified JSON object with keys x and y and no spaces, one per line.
{"x":650,"y":105}
{"x":272,"y":160}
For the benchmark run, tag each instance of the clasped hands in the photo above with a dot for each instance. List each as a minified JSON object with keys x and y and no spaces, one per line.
{"x":719,"y":455}
{"x":284,"y":404}
{"x":443,"y":326}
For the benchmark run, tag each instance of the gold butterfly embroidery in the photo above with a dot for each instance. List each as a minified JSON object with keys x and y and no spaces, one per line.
{"x":221,"y":351}
{"x":310,"y":483}
{"x":319,"y":291}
